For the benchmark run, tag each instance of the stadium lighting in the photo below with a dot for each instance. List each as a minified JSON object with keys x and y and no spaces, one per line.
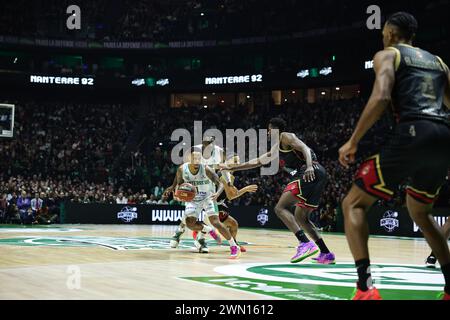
{"x":323,"y":93}
{"x":160,"y":143}
{"x":205,"y":106}
{"x":202,"y":14}
{"x":293,"y":92}
{"x":205,"y":97}
{"x":222,"y":101}
{"x":248,"y":97}
{"x":337,"y":88}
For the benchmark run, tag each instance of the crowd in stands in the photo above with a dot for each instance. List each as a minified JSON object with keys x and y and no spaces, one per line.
{"x":165,"y":20}
{"x":68,"y":152}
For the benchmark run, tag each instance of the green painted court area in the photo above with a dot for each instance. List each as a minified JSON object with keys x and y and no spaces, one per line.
{"x":141,"y":243}
{"x":15,"y":228}
{"x":332,"y":282}
{"x":38,"y":226}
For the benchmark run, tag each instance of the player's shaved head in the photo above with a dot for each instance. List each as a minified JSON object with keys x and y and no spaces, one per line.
{"x":405,"y":23}
{"x":401,"y":27}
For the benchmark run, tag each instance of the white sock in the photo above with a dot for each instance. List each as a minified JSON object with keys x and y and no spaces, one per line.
{"x":232,"y":242}
{"x":181,"y":229}
{"x":206,"y":229}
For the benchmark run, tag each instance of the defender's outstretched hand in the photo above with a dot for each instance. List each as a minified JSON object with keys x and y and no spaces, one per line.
{"x":251,"y":188}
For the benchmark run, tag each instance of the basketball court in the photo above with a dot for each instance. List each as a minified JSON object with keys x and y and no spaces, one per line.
{"x":136,"y":262}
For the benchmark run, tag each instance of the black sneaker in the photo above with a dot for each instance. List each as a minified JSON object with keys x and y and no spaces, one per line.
{"x":430,"y":262}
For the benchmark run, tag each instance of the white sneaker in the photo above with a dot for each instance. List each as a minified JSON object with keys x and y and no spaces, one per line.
{"x":200,"y":244}
{"x":175,"y":241}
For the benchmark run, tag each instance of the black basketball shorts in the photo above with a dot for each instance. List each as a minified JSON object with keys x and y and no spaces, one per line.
{"x":419,"y":150}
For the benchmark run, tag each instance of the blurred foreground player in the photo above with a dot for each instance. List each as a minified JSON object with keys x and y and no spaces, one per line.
{"x":431,"y":259}
{"x":304,"y":191}
{"x":417,"y":84}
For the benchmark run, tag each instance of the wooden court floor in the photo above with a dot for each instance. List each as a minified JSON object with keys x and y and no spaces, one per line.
{"x":136,"y":262}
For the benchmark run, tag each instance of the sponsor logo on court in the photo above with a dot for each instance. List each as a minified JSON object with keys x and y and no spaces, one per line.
{"x":127,"y":214}
{"x":389,"y":221}
{"x":263,"y":216}
{"x":144,"y":243}
{"x":327,"y":282}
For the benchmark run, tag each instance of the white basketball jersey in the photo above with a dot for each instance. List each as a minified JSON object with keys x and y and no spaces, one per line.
{"x":205,"y":187}
{"x":211,"y":162}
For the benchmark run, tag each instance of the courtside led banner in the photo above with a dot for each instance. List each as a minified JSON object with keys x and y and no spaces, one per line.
{"x":97,"y":213}
{"x":395,"y":221}
{"x":58,"y":80}
{"x":234,"y":79}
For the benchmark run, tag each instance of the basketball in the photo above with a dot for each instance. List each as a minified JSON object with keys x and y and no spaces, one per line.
{"x":186,"y":192}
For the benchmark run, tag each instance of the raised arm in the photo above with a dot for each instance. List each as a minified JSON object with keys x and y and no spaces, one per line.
{"x":232,"y":192}
{"x":254,"y":163}
{"x":239,"y":193}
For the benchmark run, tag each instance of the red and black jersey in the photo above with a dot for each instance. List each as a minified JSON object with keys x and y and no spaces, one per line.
{"x":292,"y":160}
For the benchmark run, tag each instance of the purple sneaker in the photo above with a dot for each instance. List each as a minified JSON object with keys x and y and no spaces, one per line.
{"x":304,"y":250}
{"x":325,"y":258}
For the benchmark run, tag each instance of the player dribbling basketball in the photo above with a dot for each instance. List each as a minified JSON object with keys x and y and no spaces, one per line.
{"x":200,"y":175}
{"x":231,"y":193}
